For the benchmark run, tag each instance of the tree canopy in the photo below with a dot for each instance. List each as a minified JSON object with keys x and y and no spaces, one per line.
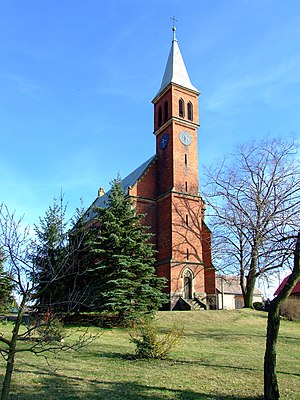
{"x":254,"y":196}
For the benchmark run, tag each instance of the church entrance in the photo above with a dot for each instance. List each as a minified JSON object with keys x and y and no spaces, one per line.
{"x":188,"y":285}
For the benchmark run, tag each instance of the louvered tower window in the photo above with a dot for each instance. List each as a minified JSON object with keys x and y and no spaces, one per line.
{"x":190,"y":111}
{"x":166,"y":110}
{"x":159,"y":116}
{"x":181,"y":108}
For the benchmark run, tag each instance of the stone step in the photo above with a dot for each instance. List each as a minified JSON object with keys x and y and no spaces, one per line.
{"x":194,"y":304}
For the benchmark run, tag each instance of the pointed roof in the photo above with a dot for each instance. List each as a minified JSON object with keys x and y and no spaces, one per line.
{"x":176,"y":71}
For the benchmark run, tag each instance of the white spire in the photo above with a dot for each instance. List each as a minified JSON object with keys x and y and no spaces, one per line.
{"x":175,"y":71}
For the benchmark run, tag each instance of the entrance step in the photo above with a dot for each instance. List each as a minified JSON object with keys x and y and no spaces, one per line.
{"x":195,"y":304}
{"x":190,"y":304}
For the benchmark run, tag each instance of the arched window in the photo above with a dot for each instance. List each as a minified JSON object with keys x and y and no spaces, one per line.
{"x":159,"y":116}
{"x":166,"y":111}
{"x":181,"y":108}
{"x":190,"y":111}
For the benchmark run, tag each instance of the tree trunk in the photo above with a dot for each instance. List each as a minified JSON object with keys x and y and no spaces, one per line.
{"x":248,"y":299}
{"x":9,"y":371}
{"x":250,"y":285}
{"x":251,"y":278}
{"x":271,"y":390}
{"x":12,"y":352}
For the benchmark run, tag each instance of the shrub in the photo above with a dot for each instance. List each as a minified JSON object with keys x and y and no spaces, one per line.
{"x":50,"y":329}
{"x":151,"y":344}
{"x":291,"y":309}
{"x":258,"y":305}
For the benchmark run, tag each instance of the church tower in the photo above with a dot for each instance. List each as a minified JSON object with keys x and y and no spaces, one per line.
{"x":165,"y":189}
{"x":183,"y":240}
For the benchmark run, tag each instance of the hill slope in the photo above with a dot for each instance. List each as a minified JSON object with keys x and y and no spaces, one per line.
{"x":219,"y":357}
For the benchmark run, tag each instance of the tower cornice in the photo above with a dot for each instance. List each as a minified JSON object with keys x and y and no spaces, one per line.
{"x":176,"y":120}
{"x":175,"y":85}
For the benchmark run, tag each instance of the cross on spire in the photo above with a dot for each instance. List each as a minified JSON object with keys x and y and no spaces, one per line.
{"x":174,"y":26}
{"x":174,"y":21}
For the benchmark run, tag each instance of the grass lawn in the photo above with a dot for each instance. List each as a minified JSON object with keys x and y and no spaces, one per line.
{"x":219,"y":357}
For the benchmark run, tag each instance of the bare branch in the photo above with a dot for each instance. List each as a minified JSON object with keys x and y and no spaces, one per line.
{"x":254,"y":197}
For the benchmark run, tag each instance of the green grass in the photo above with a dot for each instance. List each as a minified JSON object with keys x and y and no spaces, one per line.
{"x":219,"y":357}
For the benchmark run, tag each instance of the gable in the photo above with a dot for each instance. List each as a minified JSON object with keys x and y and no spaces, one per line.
{"x":129,"y":181}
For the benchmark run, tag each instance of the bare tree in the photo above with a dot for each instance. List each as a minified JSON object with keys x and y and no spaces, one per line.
{"x":254,"y":198}
{"x":19,"y":249}
{"x":271,"y":390}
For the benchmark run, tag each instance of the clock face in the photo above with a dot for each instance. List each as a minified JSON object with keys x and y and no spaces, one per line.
{"x":185,"y":138}
{"x":164,"y":140}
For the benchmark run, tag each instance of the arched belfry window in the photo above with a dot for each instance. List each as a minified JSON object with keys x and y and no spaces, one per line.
{"x":166,"y":110}
{"x":190,"y":111}
{"x":181,"y":108}
{"x":159,"y":116}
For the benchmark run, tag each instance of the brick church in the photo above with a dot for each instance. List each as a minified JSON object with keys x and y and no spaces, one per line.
{"x":165,"y":189}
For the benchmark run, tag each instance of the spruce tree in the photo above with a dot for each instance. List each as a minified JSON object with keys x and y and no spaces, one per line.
{"x":60,"y":260}
{"x":124,"y":277}
{"x":78,"y":282}
{"x":50,"y":256}
{"x":6,"y":287}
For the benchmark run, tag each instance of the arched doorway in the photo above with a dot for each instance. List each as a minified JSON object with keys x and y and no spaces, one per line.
{"x":187,"y":285}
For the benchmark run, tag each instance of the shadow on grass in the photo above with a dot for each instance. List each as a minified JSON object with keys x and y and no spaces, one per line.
{"x":169,"y":362}
{"x":223,"y":336}
{"x":172,"y":362}
{"x":88,"y":353}
{"x":229,"y":336}
{"x":62,"y":387}
{"x":292,"y":338}
{"x":235,"y":367}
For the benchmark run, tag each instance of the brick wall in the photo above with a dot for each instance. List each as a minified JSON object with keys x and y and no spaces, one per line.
{"x":210,"y":279}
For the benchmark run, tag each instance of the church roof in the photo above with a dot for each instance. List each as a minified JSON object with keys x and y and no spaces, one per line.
{"x":130,"y":180}
{"x":176,"y":71}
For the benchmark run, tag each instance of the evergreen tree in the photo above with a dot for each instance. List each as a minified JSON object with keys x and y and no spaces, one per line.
{"x":6,"y":287}
{"x":123,"y":273}
{"x":78,"y":283}
{"x":50,"y":258}
{"x":60,"y":260}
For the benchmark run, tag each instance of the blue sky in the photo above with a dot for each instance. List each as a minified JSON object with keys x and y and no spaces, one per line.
{"x":77,"y":79}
